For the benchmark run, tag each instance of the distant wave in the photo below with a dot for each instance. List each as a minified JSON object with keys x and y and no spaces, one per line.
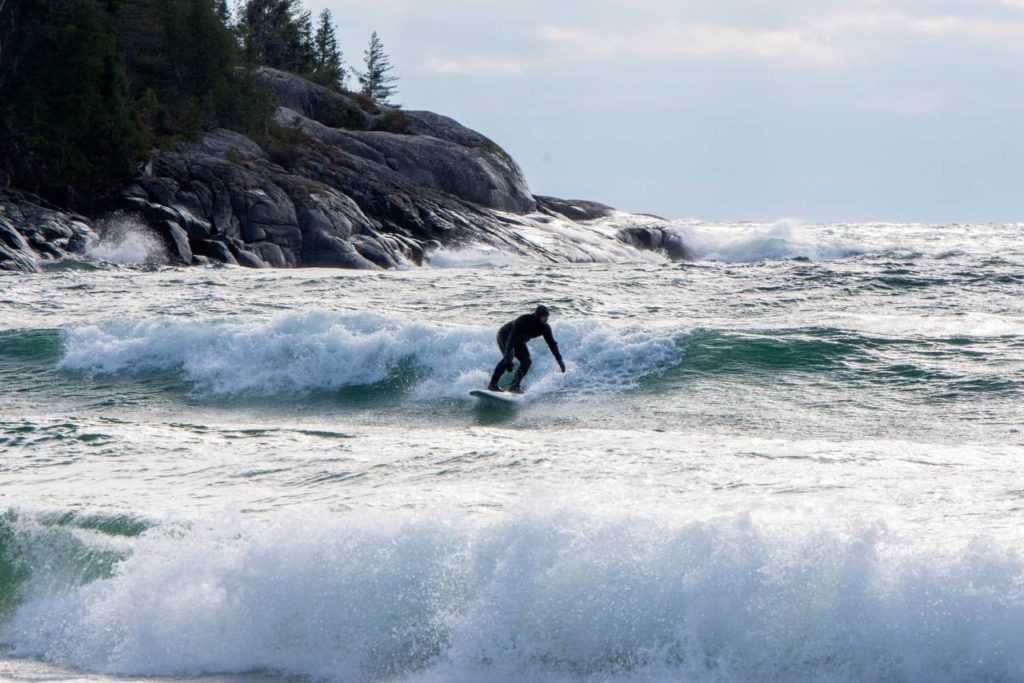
{"x":785,"y":239}
{"x":472,"y":257}
{"x":746,"y":243}
{"x":974,"y":325}
{"x":558,"y":595}
{"x":317,"y":350}
{"x":905,"y":362}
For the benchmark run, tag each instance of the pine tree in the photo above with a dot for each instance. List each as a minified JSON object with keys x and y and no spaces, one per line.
{"x":90,"y":86}
{"x":329,"y":68}
{"x":7,"y":39}
{"x":68,"y":100}
{"x":276,"y":33}
{"x":377,"y":82}
{"x":223,"y":11}
{"x":302,"y":58}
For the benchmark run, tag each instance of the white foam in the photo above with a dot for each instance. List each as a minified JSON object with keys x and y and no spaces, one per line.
{"x":472,"y":257}
{"x":594,"y":241}
{"x":317,"y":350}
{"x":785,"y":239}
{"x":969,"y":324}
{"x":544,"y":596}
{"x":126,"y":240}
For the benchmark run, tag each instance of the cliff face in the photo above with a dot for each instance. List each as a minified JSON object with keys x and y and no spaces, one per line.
{"x":355,"y":186}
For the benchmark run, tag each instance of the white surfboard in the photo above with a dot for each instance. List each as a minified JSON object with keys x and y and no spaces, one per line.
{"x":496,"y":398}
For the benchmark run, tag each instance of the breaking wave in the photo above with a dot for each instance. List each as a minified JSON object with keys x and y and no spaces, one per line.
{"x":553,"y":595}
{"x":731,"y":243}
{"x":785,"y":239}
{"x":472,"y":257}
{"x":316,"y":350}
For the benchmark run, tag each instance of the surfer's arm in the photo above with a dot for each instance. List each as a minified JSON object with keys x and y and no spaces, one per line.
{"x":553,"y":345}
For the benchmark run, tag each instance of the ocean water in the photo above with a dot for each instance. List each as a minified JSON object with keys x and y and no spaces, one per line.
{"x":796,"y":459}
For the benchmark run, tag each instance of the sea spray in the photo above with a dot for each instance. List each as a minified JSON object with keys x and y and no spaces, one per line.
{"x":472,"y":257}
{"x":785,"y":239}
{"x":552,"y":594}
{"x":125,"y":239}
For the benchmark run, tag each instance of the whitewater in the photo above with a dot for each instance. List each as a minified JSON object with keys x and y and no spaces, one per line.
{"x":796,"y":458}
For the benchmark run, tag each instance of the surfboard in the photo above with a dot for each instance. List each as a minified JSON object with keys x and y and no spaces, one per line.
{"x":496,"y":398}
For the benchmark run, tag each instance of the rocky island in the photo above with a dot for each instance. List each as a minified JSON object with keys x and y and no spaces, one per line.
{"x":345,"y":182}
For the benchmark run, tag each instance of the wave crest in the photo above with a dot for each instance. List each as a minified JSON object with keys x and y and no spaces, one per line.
{"x":298,"y":353}
{"x":556,"y":595}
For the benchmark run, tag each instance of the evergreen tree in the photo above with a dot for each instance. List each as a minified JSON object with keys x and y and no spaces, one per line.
{"x":15,"y":36}
{"x":278,"y":34}
{"x":328,"y":67}
{"x":377,"y":82}
{"x":6,"y":34}
{"x":88,"y":86}
{"x":302,"y":56}
{"x":182,"y":52}
{"x":223,"y":12}
{"x":67,"y":102}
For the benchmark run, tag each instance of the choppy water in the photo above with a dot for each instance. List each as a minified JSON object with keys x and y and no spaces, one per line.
{"x":798,"y":459}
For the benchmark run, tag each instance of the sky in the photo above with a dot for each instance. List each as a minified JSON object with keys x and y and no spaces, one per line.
{"x":733,"y":110}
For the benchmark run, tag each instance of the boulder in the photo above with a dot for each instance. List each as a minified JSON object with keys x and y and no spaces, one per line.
{"x":216,"y":250}
{"x":574,"y":209}
{"x":659,"y":239}
{"x":271,"y":254}
{"x":309,"y":99}
{"x":176,"y":240}
{"x":322,"y":249}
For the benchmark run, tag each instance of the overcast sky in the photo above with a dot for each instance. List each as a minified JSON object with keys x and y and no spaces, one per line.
{"x":907,"y":110}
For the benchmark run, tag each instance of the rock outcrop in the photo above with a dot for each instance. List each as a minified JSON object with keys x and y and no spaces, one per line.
{"x":32,"y":231}
{"x":346,"y":183}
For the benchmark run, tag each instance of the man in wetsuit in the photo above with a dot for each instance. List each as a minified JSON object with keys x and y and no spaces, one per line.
{"x":512,"y":338}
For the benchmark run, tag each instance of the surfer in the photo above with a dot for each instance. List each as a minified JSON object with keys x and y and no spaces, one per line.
{"x":512,"y":338}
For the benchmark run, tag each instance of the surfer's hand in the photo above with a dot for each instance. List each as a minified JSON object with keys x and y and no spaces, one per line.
{"x":561,"y":364}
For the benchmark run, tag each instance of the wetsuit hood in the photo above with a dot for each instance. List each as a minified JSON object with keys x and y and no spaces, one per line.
{"x":541,"y":311}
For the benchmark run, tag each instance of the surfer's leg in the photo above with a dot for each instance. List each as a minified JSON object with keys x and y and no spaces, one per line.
{"x":496,"y":377}
{"x":502,"y":366}
{"x":523,"y":356}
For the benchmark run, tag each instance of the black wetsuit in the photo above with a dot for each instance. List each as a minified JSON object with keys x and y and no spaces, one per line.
{"x":512,"y":338}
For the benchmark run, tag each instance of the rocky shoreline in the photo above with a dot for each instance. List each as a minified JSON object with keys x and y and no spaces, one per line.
{"x":357,"y":186}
